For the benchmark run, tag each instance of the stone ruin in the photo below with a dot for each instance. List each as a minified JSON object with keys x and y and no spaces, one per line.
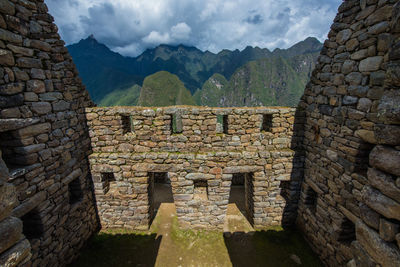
{"x":331,"y":166}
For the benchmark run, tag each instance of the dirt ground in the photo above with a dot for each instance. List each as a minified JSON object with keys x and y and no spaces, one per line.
{"x":165,"y":244}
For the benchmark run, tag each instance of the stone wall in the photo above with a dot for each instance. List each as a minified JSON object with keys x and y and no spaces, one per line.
{"x":350,"y":201}
{"x":46,"y":195}
{"x":15,"y":249}
{"x":208,"y":145}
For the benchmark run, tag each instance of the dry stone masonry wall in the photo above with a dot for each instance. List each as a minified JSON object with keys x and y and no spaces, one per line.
{"x":350,"y":200}
{"x":66,"y":167}
{"x":192,"y":144}
{"x":47,"y":208}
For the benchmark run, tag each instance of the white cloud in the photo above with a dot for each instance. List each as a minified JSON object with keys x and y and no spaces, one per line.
{"x":180,"y":31}
{"x":155,"y":37}
{"x":130,"y":27}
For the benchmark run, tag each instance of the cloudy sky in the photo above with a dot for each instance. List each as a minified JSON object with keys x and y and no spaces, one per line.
{"x":131,"y":26}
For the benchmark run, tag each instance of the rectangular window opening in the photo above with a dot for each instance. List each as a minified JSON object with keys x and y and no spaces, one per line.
{"x":126,"y":121}
{"x":13,"y":155}
{"x":222,"y":124}
{"x":200,"y":190}
{"x":176,"y":124}
{"x":267,"y":123}
{"x":347,"y":232}
{"x":75,"y":191}
{"x":285,"y":190}
{"x":107,"y":178}
{"x":32,"y":225}
{"x":225,"y":124}
{"x":311,"y":199}
{"x":362,"y":158}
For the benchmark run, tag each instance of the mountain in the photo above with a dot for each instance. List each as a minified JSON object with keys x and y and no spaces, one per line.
{"x":164,"y":89}
{"x":109,"y":76}
{"x":103,"y":71}
{"x":122,"y":97}
{"x":275,"y":81}
{"x":265,"y":82}
{"x":211,"y":92}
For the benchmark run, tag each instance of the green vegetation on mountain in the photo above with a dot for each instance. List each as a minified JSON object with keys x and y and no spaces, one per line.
{"x":212,"y":91}
{"x":122,"y":97}
{"x":164,"y":89}
{"x":266,"y":82}
{"x":256,"y":76}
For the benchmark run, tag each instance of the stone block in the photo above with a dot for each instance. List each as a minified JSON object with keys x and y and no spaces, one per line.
{"x":16,"y":255}
{"x":382,"y":252}
{"x":380,"y":203}
{"x":8,"y":200}
{"x":385,"y":183}
{"x":199,"y":176}
{"x":386,"y":159}
{"x":370,"y":217}
{"x":388,"y":230}
{"x":41,"y":108}
{"x":32,"y":130}
{"x":389,"y":108}
{"x":10,"y":232}
{"x":6,"y":58}
{"x":371,"y":64}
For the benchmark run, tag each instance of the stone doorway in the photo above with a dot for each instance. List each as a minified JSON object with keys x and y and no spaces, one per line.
{"x":160,"y":191}
{"x":241,"y":194}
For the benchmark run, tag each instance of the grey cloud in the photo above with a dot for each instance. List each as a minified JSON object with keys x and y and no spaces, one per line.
{"x":129,"y":27}
{"x":256,"y":19}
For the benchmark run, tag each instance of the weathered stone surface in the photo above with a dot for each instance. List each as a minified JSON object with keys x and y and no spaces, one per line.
{"x":361,"y":257}
{"x":41,"y":107}
{"x":20,"y":253}
{"x":8,"y":200}
{"x":366,"y":135}
{"x":199,"y":176}
{"x":30,"y":204}
{"x":389,"y":108}
{"x":385,"y":183}
{"x":388,"y":230}
{"x":6,"y":58}
{"x":14,"y":124}
{"x":380,"y":203}
{"x":61,"y":106}
{"x":36,"y":86}
{"x":382,"y":252}
{"x":370,"y":64}
{"x":7,"y":7}
{"x":11,"y":88}
{"x":10,"y":37}
{"x":380,"y":14}
{"x":386,"y":159}
{"x":10,"y":232}
{"x":21,"y":50}
{"x":26,"y":62}
{"x":33,"y":130}
{"x":343,"y":36}
{"x":370,"y":217}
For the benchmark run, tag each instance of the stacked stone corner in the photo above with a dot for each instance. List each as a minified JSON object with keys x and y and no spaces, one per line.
{"x":44,"y":142}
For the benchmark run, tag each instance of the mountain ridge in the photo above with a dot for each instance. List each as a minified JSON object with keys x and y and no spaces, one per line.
{"x":104,"y":71}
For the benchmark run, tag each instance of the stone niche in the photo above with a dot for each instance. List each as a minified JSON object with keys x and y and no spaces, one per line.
{"x":199,"y":153}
